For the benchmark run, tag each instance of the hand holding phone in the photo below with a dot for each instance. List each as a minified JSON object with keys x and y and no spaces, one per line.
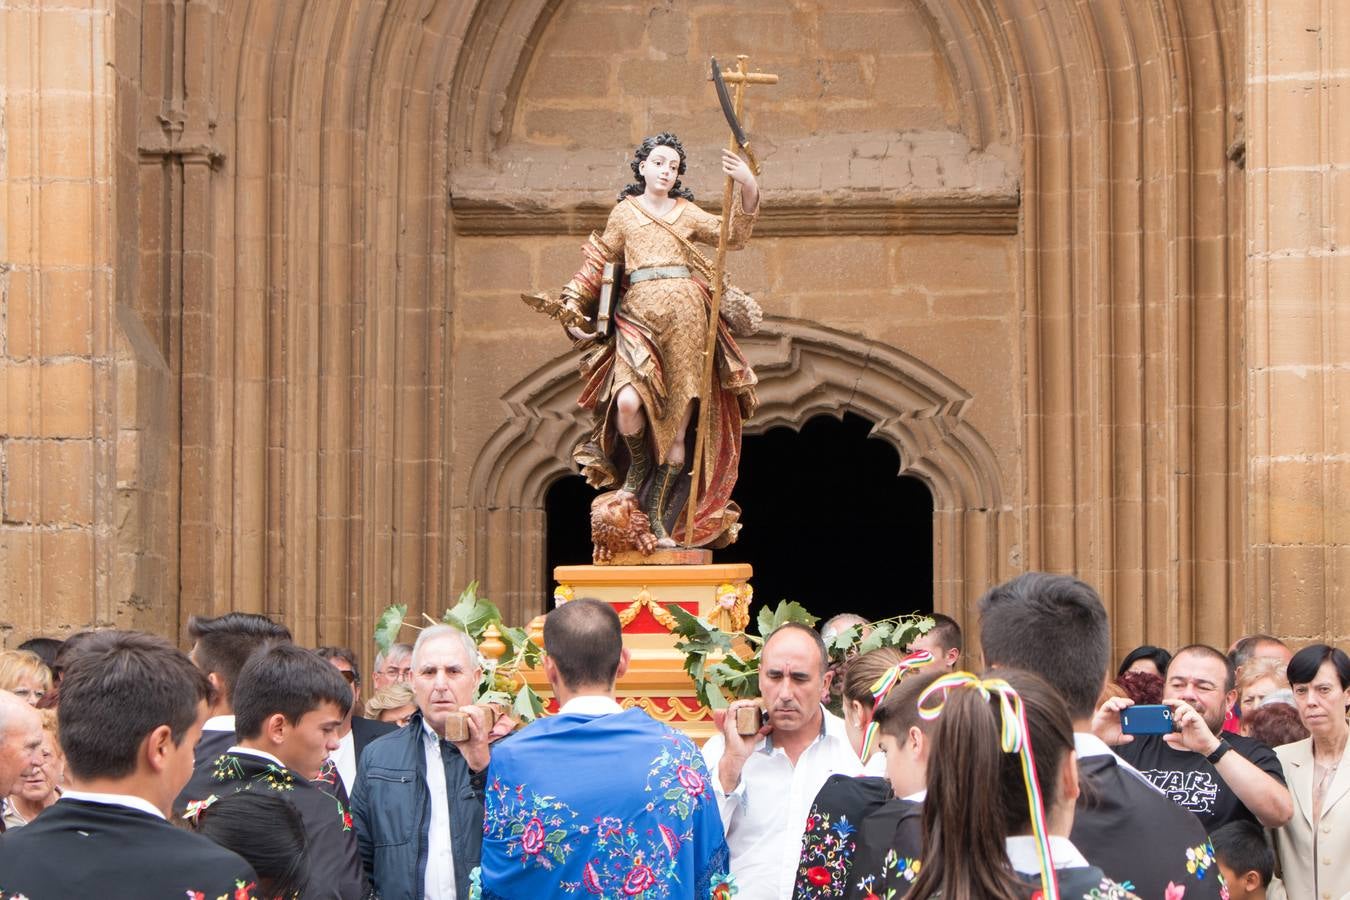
{"x":1148,"y":718}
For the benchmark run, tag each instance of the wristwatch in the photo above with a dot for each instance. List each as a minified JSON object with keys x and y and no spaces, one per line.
{"x":1219,"y":751}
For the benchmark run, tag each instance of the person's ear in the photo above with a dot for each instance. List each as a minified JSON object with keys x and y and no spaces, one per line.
{"x":952,"y":657}
{"x":551,"y":671}
{"x":157,"y":747}
{"x":1068,"y":776}
{"x":825,"y":686}
{"x":623,"y":664}
{"x":855,"y":713}
{"x":1230,"y":699}
{"x":275,"y":729}
{"x":919,"y":741}
{"x":1251,"y":881}
{"x":217,"y":685}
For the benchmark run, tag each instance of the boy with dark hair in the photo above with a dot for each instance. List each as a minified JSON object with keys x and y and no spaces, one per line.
{"x":1055,"y":626}
{"x":943,"y":640}
{"x":131,"y":709}
{"x":1245,"y":859}
{"x":288,"y":708}
{"x":221,"y":646}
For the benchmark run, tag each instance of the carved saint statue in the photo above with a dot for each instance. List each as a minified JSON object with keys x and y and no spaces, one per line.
{"x":642,"y":382}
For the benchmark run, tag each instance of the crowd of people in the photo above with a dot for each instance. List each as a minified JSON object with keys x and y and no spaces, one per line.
{"x":1007,"y":769}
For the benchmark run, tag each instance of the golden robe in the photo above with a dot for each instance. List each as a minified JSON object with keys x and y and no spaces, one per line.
{"x":660,"y":330}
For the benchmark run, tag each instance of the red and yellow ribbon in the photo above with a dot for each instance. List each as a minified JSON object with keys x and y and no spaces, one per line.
{"x":882,"y":686}
{"x":1014,"y":737}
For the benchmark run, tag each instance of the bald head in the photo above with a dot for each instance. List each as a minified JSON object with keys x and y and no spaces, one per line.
{"x":20,"y":740}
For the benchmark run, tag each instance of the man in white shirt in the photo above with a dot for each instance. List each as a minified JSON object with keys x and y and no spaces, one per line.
{"x":765,"y":783}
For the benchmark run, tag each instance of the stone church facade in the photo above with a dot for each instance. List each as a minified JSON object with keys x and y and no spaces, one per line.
{"x":1082,"y":264}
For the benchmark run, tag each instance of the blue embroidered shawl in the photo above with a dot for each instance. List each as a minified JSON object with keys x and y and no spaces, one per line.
{"x":615,"y":806}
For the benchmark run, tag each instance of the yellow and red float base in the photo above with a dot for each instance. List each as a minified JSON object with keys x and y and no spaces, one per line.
{"x":656,"y":680}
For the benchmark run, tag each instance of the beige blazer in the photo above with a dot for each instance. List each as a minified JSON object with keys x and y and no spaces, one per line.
{"x":1328,"y":876}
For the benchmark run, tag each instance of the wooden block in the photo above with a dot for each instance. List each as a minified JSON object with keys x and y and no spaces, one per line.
{"x":457,"y":724}
{"x":749,"y":720}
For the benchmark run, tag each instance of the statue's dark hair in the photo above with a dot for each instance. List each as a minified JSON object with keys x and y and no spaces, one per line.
{"x":644,"y":150}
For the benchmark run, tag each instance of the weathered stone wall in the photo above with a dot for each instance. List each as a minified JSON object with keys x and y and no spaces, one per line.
{"x":261,"y":346}
{"x":87,"y":460}
{"x":1298,"y":306}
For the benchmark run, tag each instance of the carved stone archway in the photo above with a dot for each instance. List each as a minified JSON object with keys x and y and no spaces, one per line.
{"x":805,"y":370}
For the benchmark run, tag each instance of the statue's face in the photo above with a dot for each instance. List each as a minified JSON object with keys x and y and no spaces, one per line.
{"x":660,"y":170}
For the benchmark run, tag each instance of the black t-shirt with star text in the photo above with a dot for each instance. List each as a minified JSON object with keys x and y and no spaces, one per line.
{"x":1192,"y":782}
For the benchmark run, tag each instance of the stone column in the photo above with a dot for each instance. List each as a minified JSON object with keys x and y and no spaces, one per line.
{"x":56,"y":111}
{"x":1298,"y":320}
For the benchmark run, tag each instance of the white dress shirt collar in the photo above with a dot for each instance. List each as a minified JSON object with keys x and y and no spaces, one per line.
{"x":591,"y":705}
{"x":1022,"y":854}
{"x":917,"y":796}
{"x":140,"y":804}
{"x":260,"y":754}
{"x":219,"y":723}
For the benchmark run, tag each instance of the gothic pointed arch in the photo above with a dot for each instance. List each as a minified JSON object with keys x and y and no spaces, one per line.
{"x":805,"y":370}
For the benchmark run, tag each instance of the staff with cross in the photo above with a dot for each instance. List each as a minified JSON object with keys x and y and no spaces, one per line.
{"x":732,"y":108}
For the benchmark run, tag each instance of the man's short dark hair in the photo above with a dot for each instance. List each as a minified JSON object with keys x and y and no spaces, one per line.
{"x":44,"y":648}
{"x":1230,"y":671}
{"x":1302,"y":669}
{"x":899,"y":712}
{"x":1054,"y":626}
{"x":584,"y":639}
{"x":119,"y":688}
{"x":1241,"y":846}
{"x":346,"y":655}
{"x":809,"y":632}
{"x":225,"y":643}
{"x":285,"y":679}
{"x":947,"y":632}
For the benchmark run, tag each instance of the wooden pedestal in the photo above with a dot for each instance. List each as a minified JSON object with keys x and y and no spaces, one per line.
{"x":656,"y":680}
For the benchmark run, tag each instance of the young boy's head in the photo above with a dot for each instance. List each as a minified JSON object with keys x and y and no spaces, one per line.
{"x":1245,"y":859}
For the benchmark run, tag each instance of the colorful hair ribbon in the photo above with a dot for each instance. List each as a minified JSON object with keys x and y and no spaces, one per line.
{"x":1014,"y":737}
{"x":882,"y":686}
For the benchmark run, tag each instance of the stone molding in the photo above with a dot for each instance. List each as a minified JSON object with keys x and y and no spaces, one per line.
{"x":790,"y":216}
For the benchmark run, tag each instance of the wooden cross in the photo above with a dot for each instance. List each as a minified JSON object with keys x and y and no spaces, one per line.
{"x":739,"y":77}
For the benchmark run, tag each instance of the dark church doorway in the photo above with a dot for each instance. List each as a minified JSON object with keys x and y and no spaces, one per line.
{"x":828,"y":523}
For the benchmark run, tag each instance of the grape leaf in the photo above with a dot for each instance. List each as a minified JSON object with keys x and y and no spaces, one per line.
{"x":528,"y":706}
{"x":388,"y":626}
{"x":786,"y":611}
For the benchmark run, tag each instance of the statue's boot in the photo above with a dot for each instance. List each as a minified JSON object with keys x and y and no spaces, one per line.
{"x":639,"y":461}
{"x":658,"y":501}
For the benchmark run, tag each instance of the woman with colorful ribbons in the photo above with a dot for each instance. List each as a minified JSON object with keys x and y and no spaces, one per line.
{"x":1002,"y":781}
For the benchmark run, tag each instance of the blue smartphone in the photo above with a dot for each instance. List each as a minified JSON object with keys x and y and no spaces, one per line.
{"x":1148,"y":718}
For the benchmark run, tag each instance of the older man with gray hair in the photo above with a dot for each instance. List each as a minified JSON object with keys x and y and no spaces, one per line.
{"x":20,"y":743}
{"x":392,"y":666}
{"x":418,"y":800}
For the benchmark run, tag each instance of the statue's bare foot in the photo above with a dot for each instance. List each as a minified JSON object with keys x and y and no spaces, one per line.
{"x":667,"y":543}
{"x":647,"y":543}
